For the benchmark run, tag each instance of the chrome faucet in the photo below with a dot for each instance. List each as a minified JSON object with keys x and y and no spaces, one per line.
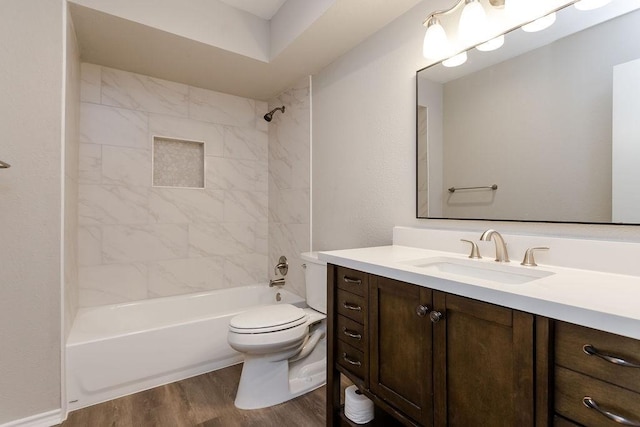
{"x":501,"y":247}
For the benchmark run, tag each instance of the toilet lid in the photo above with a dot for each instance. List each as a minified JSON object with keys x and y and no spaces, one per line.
{"x":269,"y":318}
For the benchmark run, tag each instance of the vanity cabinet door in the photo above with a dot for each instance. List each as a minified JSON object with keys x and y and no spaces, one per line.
{"x":400,"y":347}
{"x":483,"y":364}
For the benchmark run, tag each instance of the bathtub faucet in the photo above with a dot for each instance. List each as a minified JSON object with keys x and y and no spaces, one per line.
{"x":276,"y":282}
{"x":282,"y":266}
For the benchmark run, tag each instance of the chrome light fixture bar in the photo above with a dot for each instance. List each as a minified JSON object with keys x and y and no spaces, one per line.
{"x":473,"y":25}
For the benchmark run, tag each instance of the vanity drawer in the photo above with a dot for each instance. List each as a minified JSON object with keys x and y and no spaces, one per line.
{"x":351,"y":305}
{"x":352,"y":359}
{"x":571,"y":340}
{"x":353,"y":281}
{"x":352,"y":333}
{"x":563,"y":422}
{"x":572,"y":387}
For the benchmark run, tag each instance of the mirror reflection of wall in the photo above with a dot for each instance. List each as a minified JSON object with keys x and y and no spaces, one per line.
{"x":538,"y":125}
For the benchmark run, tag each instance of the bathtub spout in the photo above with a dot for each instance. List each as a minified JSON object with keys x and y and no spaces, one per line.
{"x":276,"y":282}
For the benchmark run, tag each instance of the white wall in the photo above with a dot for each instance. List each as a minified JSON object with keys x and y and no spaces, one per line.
{"x":289,"y":182}
{"x":207,"y":21}
{"x":139,"y":241}
{"x":364,"y":123}
{"x":31,"y":196}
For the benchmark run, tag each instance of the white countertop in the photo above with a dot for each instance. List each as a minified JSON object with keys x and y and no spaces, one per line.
{"x":605,"y":301}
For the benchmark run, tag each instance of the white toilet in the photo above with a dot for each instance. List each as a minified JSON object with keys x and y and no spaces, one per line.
{"x":284,"y":346}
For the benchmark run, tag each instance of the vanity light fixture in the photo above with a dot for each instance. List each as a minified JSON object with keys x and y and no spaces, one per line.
{"x":436,"y":43}
{"x":473,"y":25}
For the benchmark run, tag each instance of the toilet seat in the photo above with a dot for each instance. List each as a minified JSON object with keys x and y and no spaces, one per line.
{"x":268,"y":319}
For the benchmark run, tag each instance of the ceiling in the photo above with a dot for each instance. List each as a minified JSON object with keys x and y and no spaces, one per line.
{"x":264,"y":9}
{"x":113,"y":41}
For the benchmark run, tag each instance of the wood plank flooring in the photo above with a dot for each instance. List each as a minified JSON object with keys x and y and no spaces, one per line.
{"x":203,"y":401}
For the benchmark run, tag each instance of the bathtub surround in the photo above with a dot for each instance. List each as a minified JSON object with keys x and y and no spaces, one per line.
{"x":289,"y":181}
{"x":139,"y":241}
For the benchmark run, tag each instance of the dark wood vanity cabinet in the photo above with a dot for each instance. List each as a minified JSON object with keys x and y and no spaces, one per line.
{"x":433,"y":359}
{"x":483,"y":363}
{"x":400,"y":346}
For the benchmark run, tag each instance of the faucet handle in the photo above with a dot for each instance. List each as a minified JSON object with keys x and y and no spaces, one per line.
{"x":475,"y":252}
{"x":528,"y":260}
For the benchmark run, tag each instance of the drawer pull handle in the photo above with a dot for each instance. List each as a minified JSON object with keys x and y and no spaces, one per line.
{"x":351,"y":281}
{"x":590,"y":403}
{"x":351,"y":334}
{"x":351,"y":361}
{"x":350,"y":306}
{"x":591,"y":351}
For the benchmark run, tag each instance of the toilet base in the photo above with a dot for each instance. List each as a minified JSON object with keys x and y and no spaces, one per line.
{"x":266,"y":382}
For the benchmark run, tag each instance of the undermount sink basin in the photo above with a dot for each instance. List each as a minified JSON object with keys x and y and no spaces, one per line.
{"x":475,"y":269}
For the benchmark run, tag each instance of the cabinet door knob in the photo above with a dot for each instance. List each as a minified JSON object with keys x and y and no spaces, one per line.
{"x":422,"y":310}
{"x":435,"y":316}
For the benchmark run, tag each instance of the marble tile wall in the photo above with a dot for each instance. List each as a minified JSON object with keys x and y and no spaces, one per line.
{"x":136,"y":241}
{"x":289,"y":181}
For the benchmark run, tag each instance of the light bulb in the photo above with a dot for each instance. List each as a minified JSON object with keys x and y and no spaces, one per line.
{"x":590,"y":4}
{"x":473,"y":23}
{"x":492,"y":44}
{"x":455,"y":61}
{"x":436,"y":43}
{"x":540,"y":24}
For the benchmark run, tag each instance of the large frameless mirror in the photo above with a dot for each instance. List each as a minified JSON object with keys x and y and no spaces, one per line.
{"x":545,"y":129}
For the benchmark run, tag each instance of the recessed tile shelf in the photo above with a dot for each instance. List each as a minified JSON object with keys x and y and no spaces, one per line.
{"x":178,"y":163}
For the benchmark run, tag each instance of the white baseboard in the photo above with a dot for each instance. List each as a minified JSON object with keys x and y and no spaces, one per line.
{"x":45,"y":419}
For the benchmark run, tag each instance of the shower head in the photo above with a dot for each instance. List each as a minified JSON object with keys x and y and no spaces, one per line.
{"x":269,"y":115}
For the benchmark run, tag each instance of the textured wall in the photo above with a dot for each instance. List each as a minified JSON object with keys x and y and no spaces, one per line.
{"x":289,"y":186}
{"x":30,"y":219}
{"x":137,"y":241}
{"x":364,"y":123}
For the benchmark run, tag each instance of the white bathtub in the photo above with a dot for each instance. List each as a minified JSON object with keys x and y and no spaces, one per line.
{"x":121,"y":349}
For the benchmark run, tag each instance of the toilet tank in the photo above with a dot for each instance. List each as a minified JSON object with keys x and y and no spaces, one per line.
{"x":315,"y":279}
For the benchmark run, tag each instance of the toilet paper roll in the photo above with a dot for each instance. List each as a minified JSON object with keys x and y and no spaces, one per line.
{"x":357,"y":407}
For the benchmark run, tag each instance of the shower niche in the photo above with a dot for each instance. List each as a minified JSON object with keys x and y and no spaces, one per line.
{"x":178,"y":163}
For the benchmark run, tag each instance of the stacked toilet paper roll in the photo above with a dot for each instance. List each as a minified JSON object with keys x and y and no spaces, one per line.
{"x":357,"y":407}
